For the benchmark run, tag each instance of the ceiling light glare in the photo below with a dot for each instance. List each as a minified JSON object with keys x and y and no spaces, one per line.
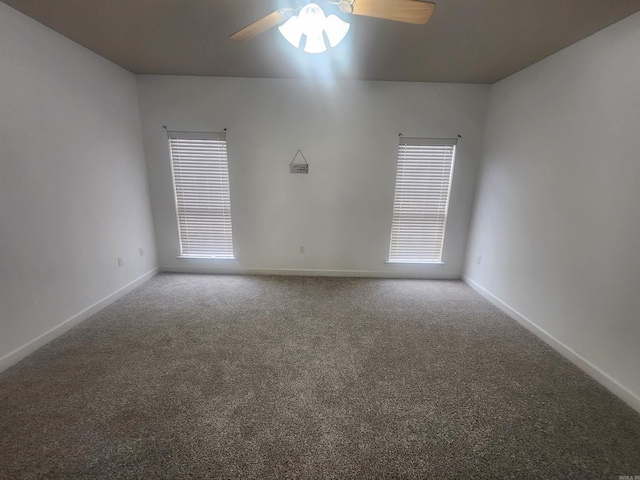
{"x":312,"y":22}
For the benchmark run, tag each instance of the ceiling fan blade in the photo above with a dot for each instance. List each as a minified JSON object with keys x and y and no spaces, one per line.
{"x":408,"y":11}
{"x":259,"y":26}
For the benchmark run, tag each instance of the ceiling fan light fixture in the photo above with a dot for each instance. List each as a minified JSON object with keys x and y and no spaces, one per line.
{"x":312,"y":22}
{"x":291,"y":31}
{"x":336,"y":29}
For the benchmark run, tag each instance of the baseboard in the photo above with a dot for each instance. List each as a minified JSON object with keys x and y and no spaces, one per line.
{"x":312,"y":272}
{"x":607,"y":381}
{"x":19,"y":353}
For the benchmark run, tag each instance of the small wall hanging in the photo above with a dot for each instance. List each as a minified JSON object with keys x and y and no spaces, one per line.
{"x":295,"y":167}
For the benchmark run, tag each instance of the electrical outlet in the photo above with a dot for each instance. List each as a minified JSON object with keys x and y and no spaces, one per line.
{"x":301,"y":249}
{"x":478,"y":260}
{"x":141,"y":252}
{"x":120,"y":261}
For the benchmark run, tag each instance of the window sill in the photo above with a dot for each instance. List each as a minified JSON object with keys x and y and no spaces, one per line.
{"x":413,"y":262}
{"x":206,"y":257}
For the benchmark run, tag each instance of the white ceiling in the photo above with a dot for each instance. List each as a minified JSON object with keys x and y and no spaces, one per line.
{"x":469,"y":41}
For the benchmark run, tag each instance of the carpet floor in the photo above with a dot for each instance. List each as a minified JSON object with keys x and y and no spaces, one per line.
{"x":202,"y":376}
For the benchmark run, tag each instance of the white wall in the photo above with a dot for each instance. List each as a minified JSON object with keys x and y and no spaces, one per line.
{"x":73,"y":188}
{"x":348,"y":131}
{"x":557,"y":216}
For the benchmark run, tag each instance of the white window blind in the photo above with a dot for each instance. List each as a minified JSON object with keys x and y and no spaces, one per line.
{"x":423,"y":184}
{"x":201,"y":183}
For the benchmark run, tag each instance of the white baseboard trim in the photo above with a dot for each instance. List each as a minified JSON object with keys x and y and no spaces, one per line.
{"x":607,"y":381}
{"x":27,"y":349}
{"x":312,"y":272}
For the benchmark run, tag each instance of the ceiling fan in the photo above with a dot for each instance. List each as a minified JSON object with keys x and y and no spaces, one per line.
{"x":407,"y":11}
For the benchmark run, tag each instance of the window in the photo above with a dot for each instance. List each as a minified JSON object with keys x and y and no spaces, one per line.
{"x":423,"y":183}
{"x":201,"y":183}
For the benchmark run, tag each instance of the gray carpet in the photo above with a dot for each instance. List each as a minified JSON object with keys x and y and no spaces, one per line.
{"x":196,"y":376}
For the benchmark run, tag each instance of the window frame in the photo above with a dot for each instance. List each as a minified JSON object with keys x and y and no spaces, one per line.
{"x":440,"y":208}
{"x":216,"y":196}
